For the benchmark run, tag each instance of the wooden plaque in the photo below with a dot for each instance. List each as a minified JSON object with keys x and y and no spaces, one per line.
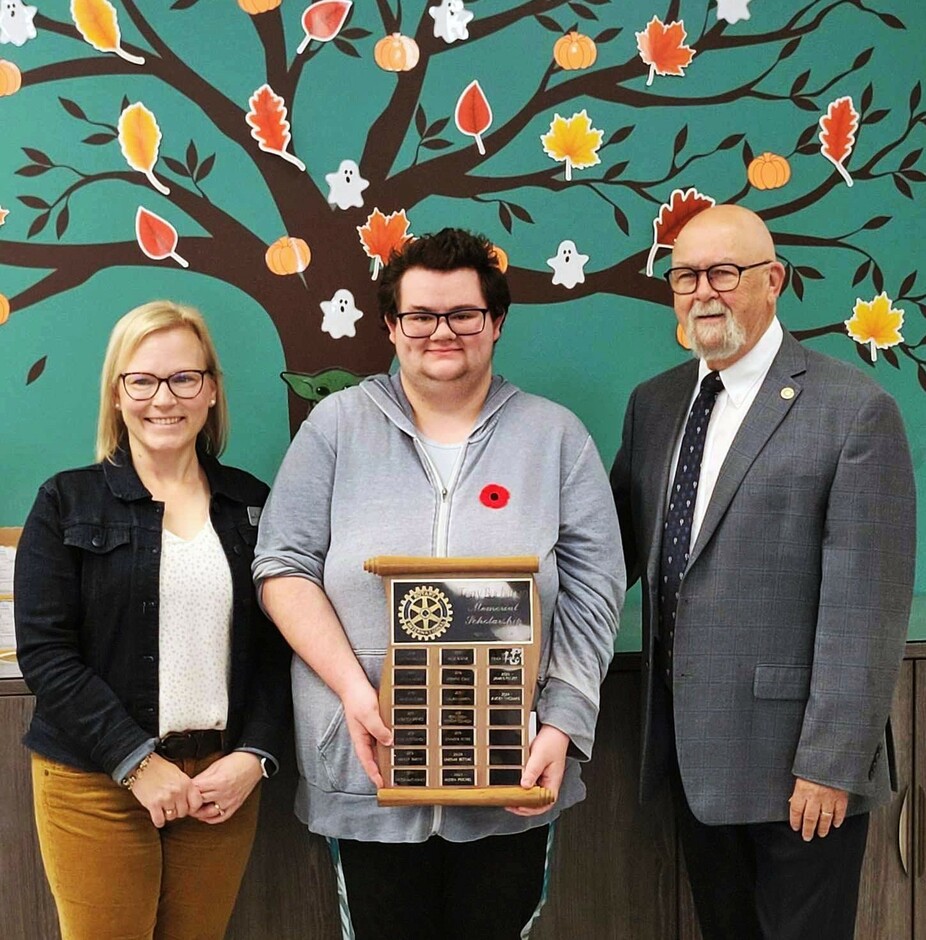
{"x":458,"y":682}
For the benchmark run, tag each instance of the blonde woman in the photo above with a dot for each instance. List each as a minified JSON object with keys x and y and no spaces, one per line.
{"x":161,"y":690}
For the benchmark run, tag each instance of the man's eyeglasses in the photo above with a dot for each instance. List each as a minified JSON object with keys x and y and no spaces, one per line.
{"x":466,"y":321}
{"x":722,"y":277}
{"x":143,"y":386}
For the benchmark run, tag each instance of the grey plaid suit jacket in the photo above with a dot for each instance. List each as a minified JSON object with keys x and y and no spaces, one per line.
{"x":794,"y":608}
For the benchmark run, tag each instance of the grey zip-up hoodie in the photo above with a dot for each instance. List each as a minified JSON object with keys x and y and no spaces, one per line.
{"x":356,"y":482}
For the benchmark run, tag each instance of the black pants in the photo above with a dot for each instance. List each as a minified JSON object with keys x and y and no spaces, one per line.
{"x":763,"y":882}
{"x":488,"y":889}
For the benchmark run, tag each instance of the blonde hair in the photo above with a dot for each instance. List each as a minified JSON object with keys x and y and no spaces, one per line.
{"x":127,"y":335}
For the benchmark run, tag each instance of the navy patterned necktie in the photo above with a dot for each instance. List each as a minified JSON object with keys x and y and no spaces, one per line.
{"x":676,"y":535}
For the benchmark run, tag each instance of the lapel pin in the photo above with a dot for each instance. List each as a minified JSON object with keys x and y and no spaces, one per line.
{"x":787,"y":393}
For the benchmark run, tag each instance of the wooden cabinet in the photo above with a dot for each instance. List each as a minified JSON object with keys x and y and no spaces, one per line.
{"x":617,"y":872}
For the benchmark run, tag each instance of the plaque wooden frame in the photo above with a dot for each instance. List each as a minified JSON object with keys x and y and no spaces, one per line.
{"x":458,"y":680}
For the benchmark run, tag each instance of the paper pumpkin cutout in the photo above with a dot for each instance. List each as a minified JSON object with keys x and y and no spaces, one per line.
{"x":575,"y":51}
{"x":269,"y":127}
{"x":288,"y":255}
{"x":97,"y":22}
{"x":837,"y":134}
{"x":573,"y":141}
{"x":568,"y":265}
{"x":253,"y":7}
{"x":382,"y":235}
{"x":875,"y":324}
{"x":140,"y":138}
{"x":662,"y":47}
{"x":732,"y":10}
{"x":345,"y":185}
{"x":500,"y":257}
{"x":323,"y":21}
{"x":473,"y":114}
{"x":11,"y":79}
{"x":340,"y":314}
{"x":156,"y":237}
{"x":396,"y":53}
{"x":4,"y":309}
{"x":16,"y":22}
{"x":450,"y":19}
{"x":681,"y":207}
{"x":768,"y":171}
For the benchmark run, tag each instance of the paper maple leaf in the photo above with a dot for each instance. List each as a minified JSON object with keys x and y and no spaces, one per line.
{"x":876,"y":324}
{"x":662,"y":47}
{"x":382,"y":235}
{"x":573,"y":141}
{"x":672,"y":217}
{"x":3,"y":214}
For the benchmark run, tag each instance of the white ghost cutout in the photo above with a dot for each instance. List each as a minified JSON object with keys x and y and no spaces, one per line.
{"x":732,"y":10}
{"x":568,"y":265}
{"x":450,"y":19}
{"x":16,"y":24}
{"x":340,"y":314}
{"x":345,"y":185}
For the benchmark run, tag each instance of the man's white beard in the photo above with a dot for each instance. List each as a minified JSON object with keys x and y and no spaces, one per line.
{"x":724,"y":342}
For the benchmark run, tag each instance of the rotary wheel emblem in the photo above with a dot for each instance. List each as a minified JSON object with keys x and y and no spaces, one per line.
{"x":425,"y":612}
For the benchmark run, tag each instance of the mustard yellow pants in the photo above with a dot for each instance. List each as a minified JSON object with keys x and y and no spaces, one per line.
{"x":115,"y":876}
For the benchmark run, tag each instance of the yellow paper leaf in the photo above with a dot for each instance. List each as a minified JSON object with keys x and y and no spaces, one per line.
{"x":140,"y":138}
{"x":876,"y":324}
{"x":96,"y":21}
{"x":573,"y":140}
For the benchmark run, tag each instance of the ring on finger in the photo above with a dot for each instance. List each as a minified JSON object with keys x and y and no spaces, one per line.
{"x":219,"y":808}
{"x":169,"y":812}
{"x":823,"y":812}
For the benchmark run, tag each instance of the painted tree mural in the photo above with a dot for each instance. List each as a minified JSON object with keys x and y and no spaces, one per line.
{"x":558,"y":127}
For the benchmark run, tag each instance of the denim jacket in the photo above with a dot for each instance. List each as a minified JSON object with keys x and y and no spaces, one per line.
{"x":87,"y":591}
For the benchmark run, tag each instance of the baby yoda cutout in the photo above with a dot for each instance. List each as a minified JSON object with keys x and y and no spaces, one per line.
{"x":345,"y":185}
{"x":450,"y":19}
{"x":340,"y":314}
{"x":16,"y":24}
{"x":568,"y":265}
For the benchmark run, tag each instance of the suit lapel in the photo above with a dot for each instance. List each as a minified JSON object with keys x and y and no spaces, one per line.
{"x":766,"y":413}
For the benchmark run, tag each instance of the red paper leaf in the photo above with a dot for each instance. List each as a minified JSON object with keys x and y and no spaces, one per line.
{"x":323,"y":20}
{"x":681,"y":208}
{"x":267,"y":119}
{"x":157,"y":238}
{"x":473,"y":113}
{"x":837,"y":133}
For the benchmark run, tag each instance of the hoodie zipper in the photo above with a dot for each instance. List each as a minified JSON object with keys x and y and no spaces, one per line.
{"x":441,"y":538}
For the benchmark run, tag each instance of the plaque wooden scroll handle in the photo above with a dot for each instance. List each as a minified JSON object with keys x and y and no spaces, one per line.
{"x":470,"y":796}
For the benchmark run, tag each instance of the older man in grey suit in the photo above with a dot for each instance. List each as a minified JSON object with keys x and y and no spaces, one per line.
{"x":766,"y":501}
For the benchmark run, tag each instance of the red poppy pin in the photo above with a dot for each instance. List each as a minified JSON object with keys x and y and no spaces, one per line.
{"x":494,"y":496}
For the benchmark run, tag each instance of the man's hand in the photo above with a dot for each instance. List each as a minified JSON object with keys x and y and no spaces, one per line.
{"x":545,"y":767}
{"x":366,"y":727}
{"x":815,"y":808}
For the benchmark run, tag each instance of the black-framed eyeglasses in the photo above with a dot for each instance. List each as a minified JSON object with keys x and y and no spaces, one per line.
{"x":467,"y":321}
{"x":722,"y":277}
{"x":143,"y":386}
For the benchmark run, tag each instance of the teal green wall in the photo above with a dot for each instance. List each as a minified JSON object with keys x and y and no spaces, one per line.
{"x":585,"y":347}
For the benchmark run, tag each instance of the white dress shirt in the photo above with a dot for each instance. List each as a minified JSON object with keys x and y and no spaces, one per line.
{"x":741,"y":384}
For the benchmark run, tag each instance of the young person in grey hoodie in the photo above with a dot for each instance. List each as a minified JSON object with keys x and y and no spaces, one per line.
{"x":442,"y":458}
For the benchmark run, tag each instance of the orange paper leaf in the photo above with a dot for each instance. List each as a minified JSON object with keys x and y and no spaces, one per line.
{"x":323,"y":20}
{"x":672,"y":217}
{"x":382,"y":235}
{"x":269,"y":127}
{"x":662,"y":47}
{"x":96,"y":21}
{"x":140,"y":138}
{"x":157,"y":238}
{"x":837,"y":134}
{"x":473,"y":113}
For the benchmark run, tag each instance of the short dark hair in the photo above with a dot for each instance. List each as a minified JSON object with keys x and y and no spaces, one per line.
{"x":450,"y":249}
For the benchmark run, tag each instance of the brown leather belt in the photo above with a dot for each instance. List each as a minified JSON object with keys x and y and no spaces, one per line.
{"x":181,"y":745}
